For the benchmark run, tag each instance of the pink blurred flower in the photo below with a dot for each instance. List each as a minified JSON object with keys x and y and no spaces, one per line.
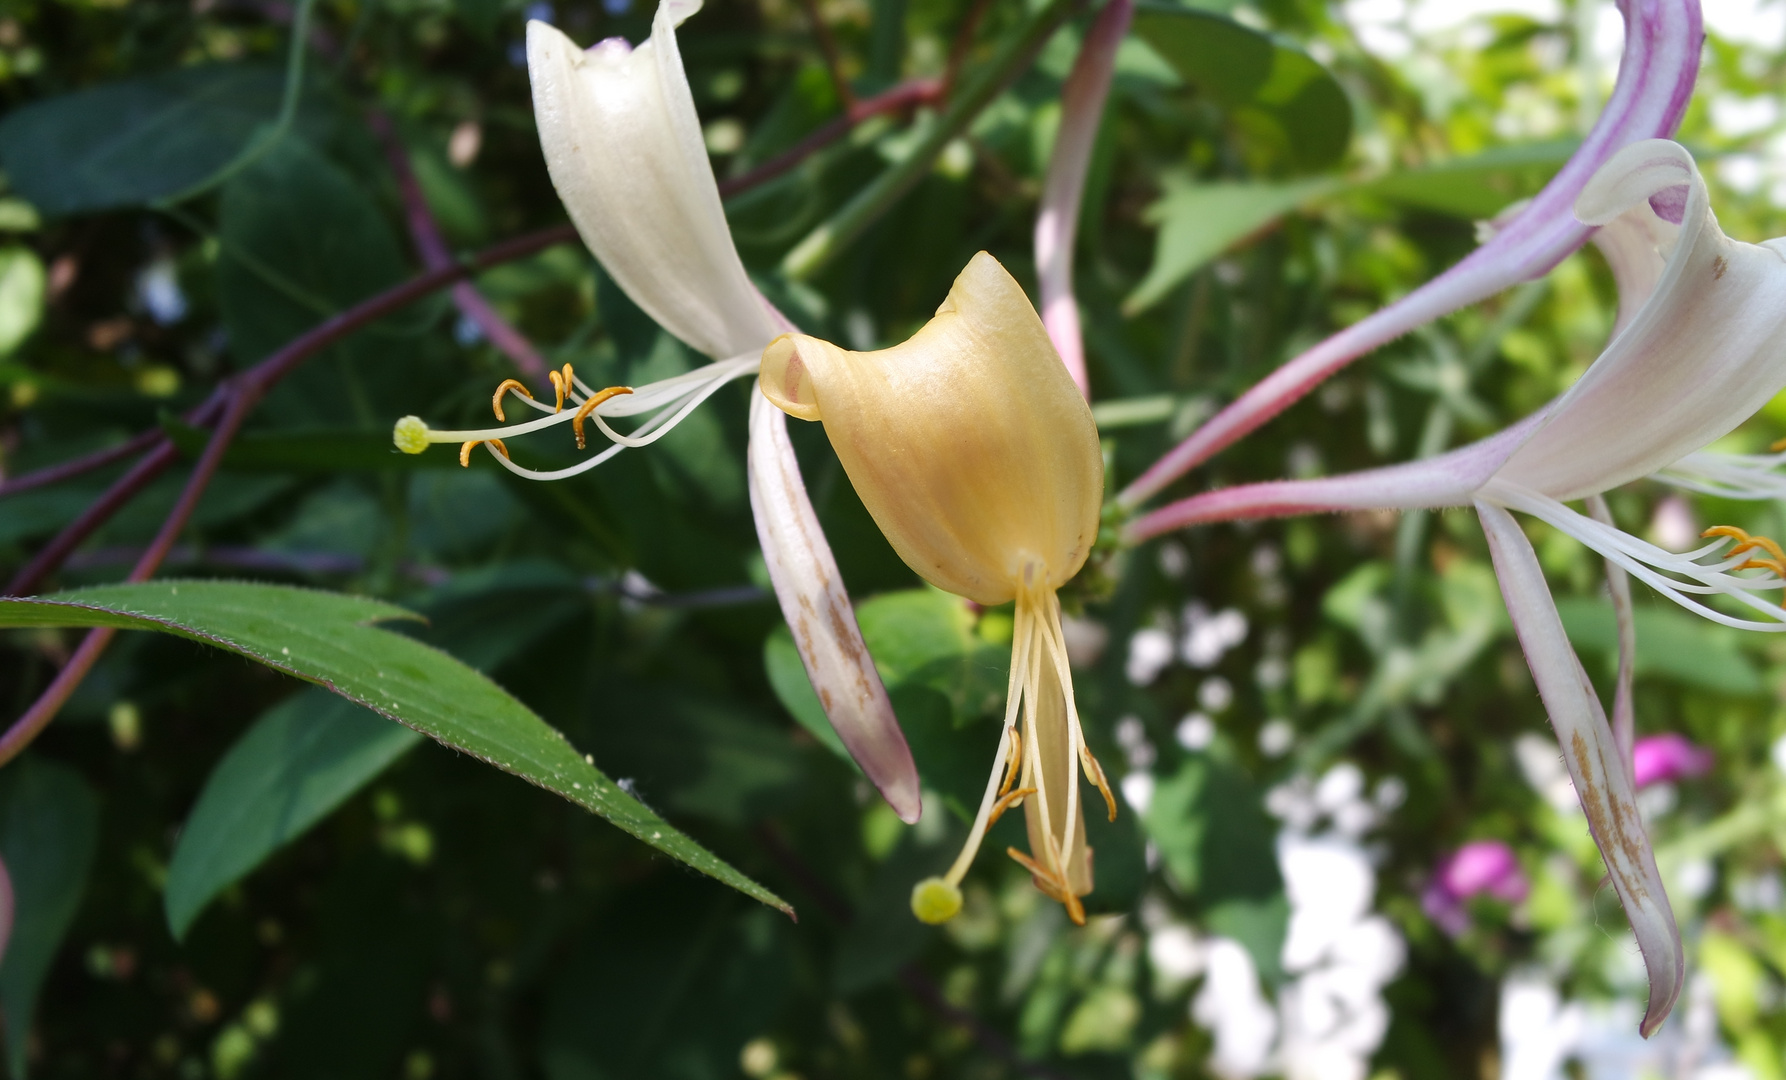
{"x":1479,"y":868}
{"x":1660,"y":759}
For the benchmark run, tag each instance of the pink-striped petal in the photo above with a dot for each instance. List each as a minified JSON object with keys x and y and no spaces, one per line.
{"x":1656,"y":75}
{"x":818,"y":612}
{"x":1596,"y":763}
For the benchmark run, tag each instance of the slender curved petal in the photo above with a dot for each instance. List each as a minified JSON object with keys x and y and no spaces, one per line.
{"x":1081,"y":108}
{"x":623,"y":144}
{"x":1596,"y":764}
{"x":818,"y":613}
{"x":1656,"y":75}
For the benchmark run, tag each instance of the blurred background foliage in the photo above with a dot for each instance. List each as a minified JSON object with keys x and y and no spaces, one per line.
{"x":221,"y":873}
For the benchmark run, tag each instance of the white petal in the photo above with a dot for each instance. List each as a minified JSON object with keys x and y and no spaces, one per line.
{"x":818,"y":613}
{"x":1595,"y":763}
{"x":1697,"y":359}
{"x":623,"y":145}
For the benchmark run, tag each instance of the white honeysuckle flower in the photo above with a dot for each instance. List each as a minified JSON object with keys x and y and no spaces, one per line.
{"x":1699,"y":350}
{"x":623,"y":145}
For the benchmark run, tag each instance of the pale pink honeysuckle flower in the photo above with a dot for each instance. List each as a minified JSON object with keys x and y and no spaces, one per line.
{"x":1479,"y":868}
{"x":1704,"y":333}
{"x":1665,"y":758}
{"x":1057,"y":225}
{"x":623,"y":144}
{"x":1656,"y":75}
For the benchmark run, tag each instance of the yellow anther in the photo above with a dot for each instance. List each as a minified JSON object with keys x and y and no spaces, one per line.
{"x":588,"y":407}
{"x":935,"y":900}
{"x":1051,"y":886}
{"x":1013,"y":762}
{"x":410,"y":435}
{"x":466,"y":448}
{"x":563,"y":382}
{"x":507,"y":385}
{"x":1096,"y":773}
{"x":1005,"y":802}
{"x":1778,"y":446}
{"x":1744,"y":541}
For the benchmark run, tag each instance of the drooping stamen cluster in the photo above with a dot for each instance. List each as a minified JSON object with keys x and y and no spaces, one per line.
{"x":1041,"y":720}
{"x":1681,"y":577}
{"x":668,"y":400}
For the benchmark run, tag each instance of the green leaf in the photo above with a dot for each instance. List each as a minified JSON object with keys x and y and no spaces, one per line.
{"x":1209,"y":824}
{"x":49,"y":822}
{"x":1287,"y":104}
{"x":884,"y":935}
{"x":787,"y":677}
{"x":133,"y":142}
{"x":294,"y":765}
{"x":21,"y":295}
{"x":1198,"y":222}
{"x":1671,"y":644}
{"x":301,"y":241}
{"x":1480,"y":186}
{"x":325,"y":638}
{"x":671,"y":985}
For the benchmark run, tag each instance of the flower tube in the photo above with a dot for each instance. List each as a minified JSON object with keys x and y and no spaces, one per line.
{"x":1703,"y":331}
{"x":623,"y":145}
{"x":1656,"y":75}
{"x":976,"y":455}
{"x":1057,"y":224}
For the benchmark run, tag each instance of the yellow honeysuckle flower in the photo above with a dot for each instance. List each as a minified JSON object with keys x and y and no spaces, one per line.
{"x":977,"y":456}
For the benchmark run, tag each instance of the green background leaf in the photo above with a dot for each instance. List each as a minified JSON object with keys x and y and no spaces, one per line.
{"x":325,"y":638}
{"x":49,"y":825}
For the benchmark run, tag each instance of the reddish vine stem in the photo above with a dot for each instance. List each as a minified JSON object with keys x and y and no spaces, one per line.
{"x":833,"y":56}
{"x":964,"y":40}
{"x":424,"y":230}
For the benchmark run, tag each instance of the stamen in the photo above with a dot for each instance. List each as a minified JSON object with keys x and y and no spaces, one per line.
{"x":1013,"y":761}
{"x":561,"y":385}
{"x":1745,"y":542}
{"x":1053,"y":886}
{"x":465,"y":450}
{"x":1096,"y":773}
{"x":1774,"y":448}
{"x":1006,"y":802}
{"x":588,"y":407}
{"x":507,"y":385}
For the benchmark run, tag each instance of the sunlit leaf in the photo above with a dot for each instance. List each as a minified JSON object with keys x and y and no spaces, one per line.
{"x":327,"y":638}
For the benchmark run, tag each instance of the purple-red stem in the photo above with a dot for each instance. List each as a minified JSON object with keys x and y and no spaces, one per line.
{"x":435,"y":253}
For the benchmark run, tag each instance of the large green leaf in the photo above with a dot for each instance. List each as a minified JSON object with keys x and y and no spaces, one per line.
{"x":298,"y":762}
{"x":49,"y":822}
{"x":1670,"y":643}
{"x":1481,"y":185}
{"x":133,"y":142}
{"x":1285,"y":102}
{"x":301,"y":241}
{"x":326,"y":638}
{"x":1198,"y":222}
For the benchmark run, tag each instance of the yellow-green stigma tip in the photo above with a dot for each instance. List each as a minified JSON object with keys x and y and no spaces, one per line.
{"x":410,"y":435}
{"x":935,"y":901}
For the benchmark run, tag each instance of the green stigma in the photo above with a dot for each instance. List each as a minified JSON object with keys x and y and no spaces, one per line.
{"x":934,"y":900}
{"x":410,"y":435}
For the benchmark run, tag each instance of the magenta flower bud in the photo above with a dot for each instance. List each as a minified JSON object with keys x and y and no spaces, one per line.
{"x":1660,"y":759}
